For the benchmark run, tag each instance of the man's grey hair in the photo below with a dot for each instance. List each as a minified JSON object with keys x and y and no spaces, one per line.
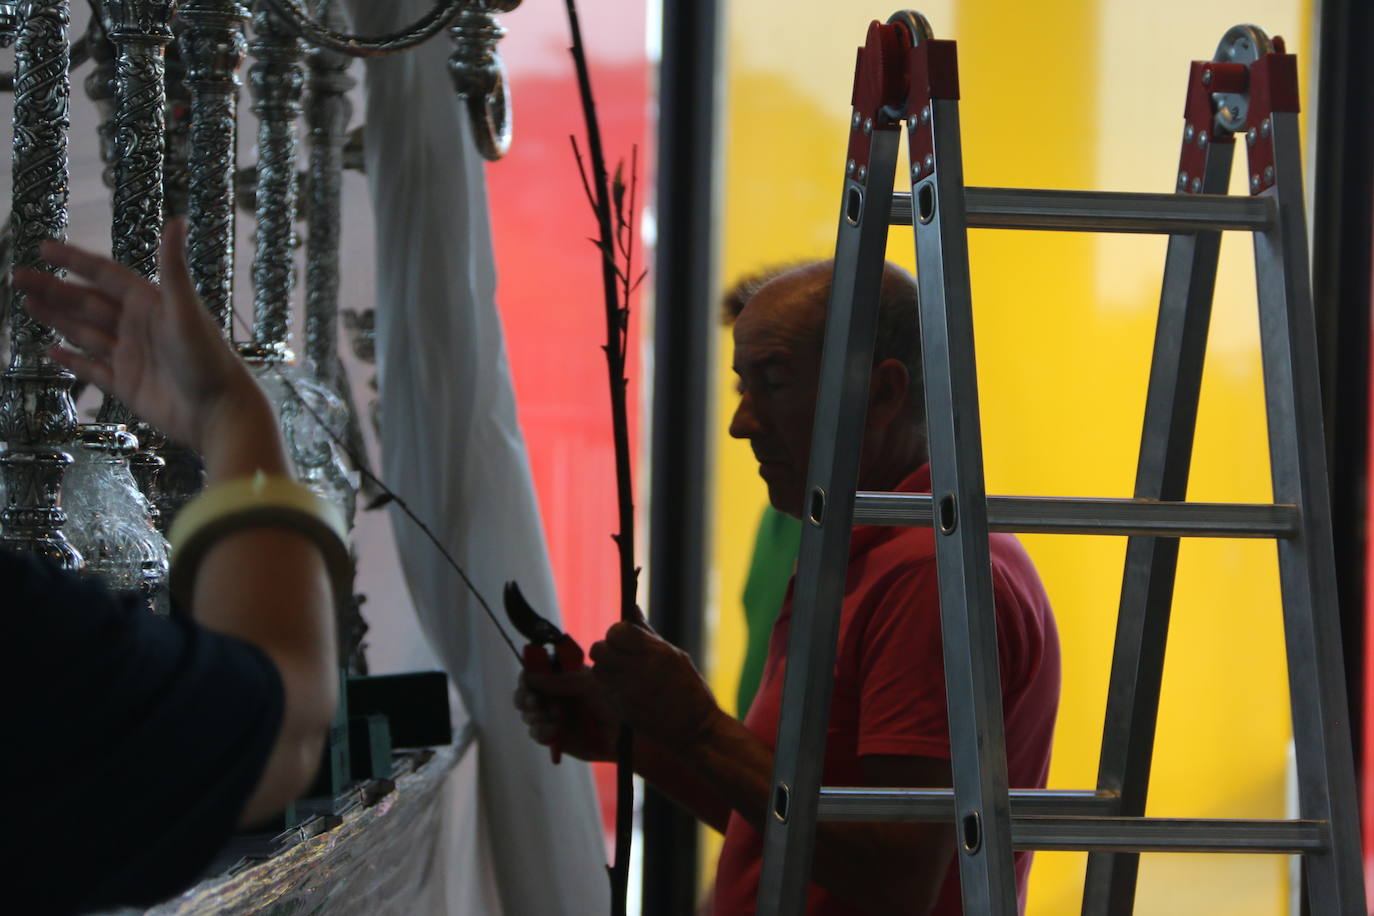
{"x":899,"y":318}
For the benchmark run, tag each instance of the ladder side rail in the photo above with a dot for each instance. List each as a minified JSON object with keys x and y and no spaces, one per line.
{"x":1147,"y":587}
{"x":832,"y":475}
{"x":1321,"y":718}
{"x":978,"y":756}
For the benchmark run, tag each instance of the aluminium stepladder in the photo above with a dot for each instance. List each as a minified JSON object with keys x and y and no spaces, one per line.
{"x":906,"y":80}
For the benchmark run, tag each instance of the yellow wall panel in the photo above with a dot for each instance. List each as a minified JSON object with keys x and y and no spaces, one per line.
{"x":1069,"y":94}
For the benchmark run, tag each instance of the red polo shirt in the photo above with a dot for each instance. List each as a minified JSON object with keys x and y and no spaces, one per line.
{"x":889,"y":694}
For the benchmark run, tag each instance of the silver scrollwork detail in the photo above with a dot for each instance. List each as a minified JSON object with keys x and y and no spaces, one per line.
{"x":36,"y":411}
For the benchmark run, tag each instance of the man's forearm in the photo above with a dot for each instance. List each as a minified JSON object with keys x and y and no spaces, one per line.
{"x":268,"y":586}
{"x":263,"y":584}
{"x":684,"y":785}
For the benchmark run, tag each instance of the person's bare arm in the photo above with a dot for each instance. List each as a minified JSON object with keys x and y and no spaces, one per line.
{"x":267,"y":586}
{"x":571,"y":711}
{"x":879,"y":868}
{"x":159,"y":351}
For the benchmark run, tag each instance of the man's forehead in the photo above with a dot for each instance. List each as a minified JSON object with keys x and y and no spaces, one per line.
{"x":775,"y":335}
{"x":790,"y":306}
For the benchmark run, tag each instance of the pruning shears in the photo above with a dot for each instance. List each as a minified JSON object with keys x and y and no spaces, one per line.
{"x":562,"y":655}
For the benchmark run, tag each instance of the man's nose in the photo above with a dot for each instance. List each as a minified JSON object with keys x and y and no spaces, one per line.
{"x":743,"y":425}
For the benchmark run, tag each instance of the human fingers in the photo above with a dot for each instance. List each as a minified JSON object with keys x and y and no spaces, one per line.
{"x":94,"y":340}
{"x":575,"y":684}
{"x":605,"y":657}
{"x":60,"y":300}
{"x":108,"y":276}
{"x":630,"y":637}
{"x":92,"y":370}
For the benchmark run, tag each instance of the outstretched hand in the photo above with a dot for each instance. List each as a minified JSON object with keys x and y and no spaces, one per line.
{"x":155,"y":348}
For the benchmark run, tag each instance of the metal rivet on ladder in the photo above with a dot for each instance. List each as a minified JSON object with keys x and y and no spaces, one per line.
{"x":853,"y":206}
{"x":781,"y":796}
{"x":949,"y":514}
{"x":971,"y":830}
{"x":816,"y":512}
{"x":926,"y":201}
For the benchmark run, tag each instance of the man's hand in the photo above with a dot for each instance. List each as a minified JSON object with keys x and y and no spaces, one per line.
{"x":653,"y":687}
{"x":570,"y":709}
{"x":156,"y":349}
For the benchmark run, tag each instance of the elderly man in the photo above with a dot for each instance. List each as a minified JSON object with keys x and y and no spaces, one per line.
{"x":888,"y":724}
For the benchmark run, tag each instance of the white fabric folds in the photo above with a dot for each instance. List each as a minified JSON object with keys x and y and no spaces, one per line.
{"x":452,"y":448}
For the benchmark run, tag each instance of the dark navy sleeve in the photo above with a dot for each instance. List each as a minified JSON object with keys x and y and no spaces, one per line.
{"x":134,"y":742}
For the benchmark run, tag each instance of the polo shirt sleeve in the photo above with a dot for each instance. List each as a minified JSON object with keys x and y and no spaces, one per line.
{"x":142,"y":739}
{"x":901,"y":671}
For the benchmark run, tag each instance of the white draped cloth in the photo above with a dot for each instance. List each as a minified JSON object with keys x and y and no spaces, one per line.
{"x":453,"y":450}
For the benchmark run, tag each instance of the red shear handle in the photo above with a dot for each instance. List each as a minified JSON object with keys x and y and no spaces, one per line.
{"x":566,"y":657}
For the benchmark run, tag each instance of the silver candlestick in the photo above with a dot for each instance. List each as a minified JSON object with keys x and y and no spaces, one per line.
{"x":213,"y":45}
{"x":327,"y":113}
{"x":277,"y":81}
{"x":36,"y":412}
{"x":140,"y":31}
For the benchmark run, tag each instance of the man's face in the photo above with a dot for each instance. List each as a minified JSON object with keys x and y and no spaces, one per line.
{"x":777,"y":358}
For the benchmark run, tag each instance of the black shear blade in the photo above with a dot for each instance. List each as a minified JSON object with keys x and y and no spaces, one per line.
{"x":530,"y":624}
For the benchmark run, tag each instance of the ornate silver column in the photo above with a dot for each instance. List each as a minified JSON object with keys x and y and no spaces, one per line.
{"x":140,"y":30}
{"x":213,"y":45}
{"x":327,"y":113}
{"x":277,"y":81}
{"x":36,"y":412}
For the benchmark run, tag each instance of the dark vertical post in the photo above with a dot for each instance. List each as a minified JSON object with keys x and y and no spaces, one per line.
{"x":684,"y":296}
{"x":1342,"y":244}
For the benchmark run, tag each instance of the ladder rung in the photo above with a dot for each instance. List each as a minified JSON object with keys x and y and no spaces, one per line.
{"x":1098,"y":211}
{"x":1065,"y":515}
{"x":1167,"y":834}
{"x":864,"y":804}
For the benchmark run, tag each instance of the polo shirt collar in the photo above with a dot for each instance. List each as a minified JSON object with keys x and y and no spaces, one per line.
{"x":866,"y":537}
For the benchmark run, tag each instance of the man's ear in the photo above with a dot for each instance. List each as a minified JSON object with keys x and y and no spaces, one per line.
{"x":887,"y":392}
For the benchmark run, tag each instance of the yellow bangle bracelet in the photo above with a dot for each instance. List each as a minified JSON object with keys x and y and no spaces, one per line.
{"x":247,"y":502}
